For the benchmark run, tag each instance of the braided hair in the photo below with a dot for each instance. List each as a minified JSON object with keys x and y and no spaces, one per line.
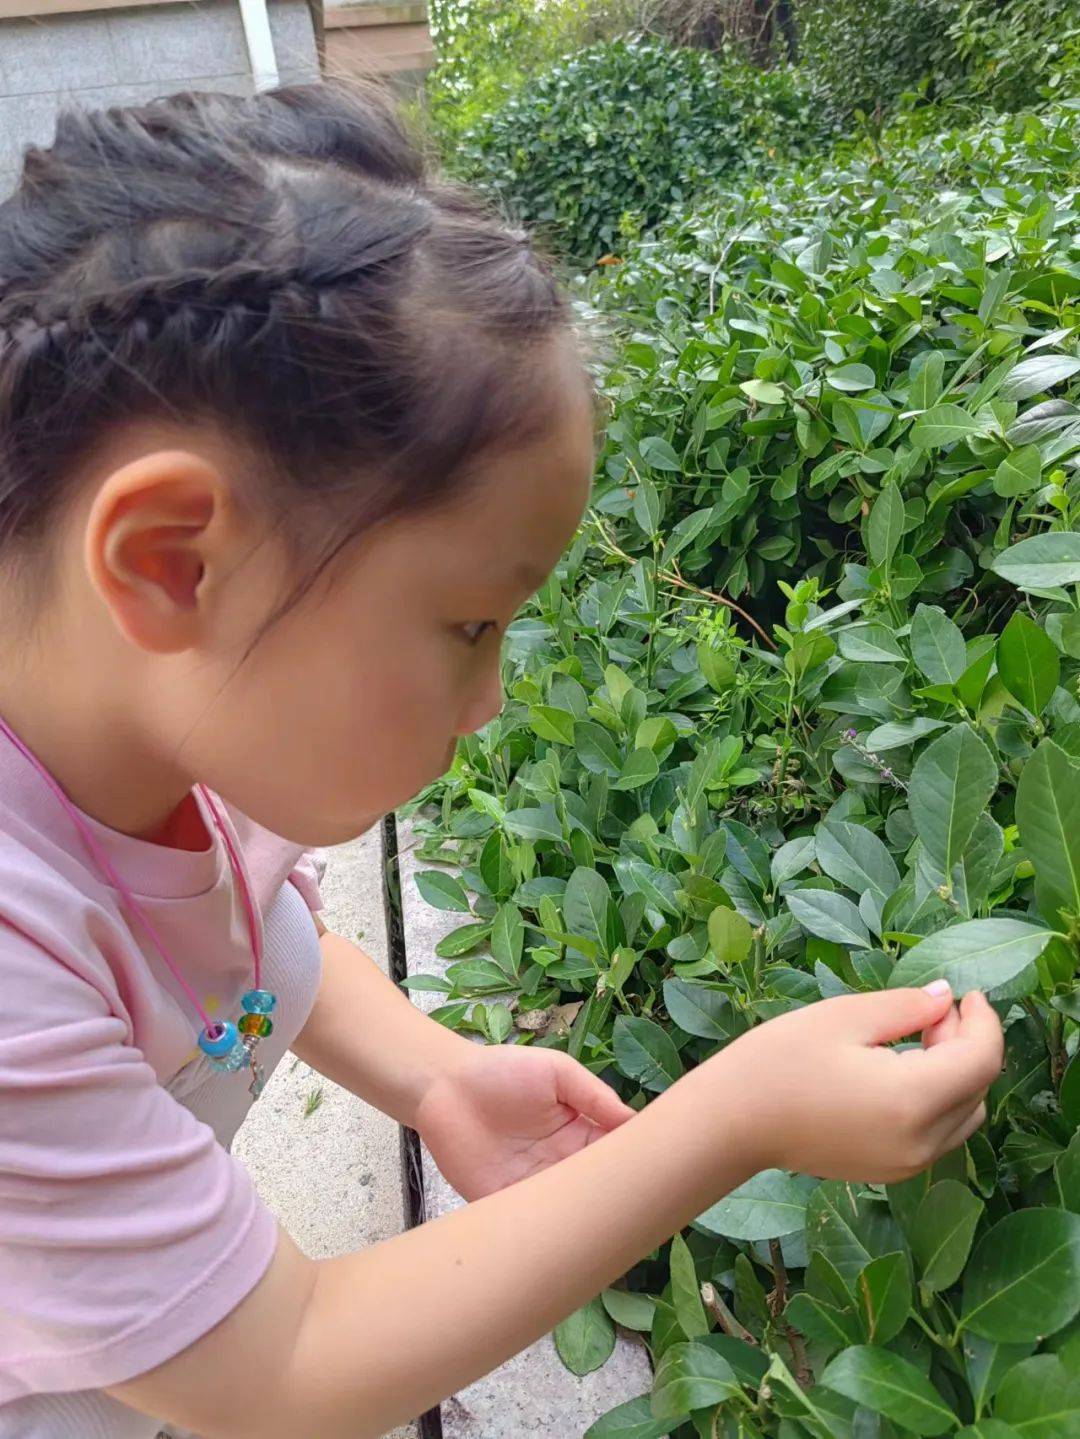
{"x":281,"y":266}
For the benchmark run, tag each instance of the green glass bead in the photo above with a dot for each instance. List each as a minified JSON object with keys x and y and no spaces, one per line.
{"x":260,"y":1024}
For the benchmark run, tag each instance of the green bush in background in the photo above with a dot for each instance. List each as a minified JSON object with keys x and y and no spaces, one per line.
{"x":799,"y":714}
{"x":599,"y":146}
{"x":861,"y":54}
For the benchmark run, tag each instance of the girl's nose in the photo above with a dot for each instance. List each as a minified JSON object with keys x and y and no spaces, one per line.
{"x":484,"y":706}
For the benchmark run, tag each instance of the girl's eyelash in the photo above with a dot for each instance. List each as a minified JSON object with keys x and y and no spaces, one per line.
{"x":475,"y":631}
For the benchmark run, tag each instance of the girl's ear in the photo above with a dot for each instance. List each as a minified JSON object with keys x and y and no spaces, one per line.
{"x":151,"y":537}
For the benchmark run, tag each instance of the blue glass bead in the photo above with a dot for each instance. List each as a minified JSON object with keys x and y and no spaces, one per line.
{"x":219,"y":1039}
{"x":237,"y":1058}
{"x":259,"y":1001}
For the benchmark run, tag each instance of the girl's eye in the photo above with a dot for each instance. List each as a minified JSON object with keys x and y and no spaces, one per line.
{"x":475,"y":631}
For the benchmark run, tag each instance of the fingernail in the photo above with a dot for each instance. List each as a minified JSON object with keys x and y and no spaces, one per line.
{"x":939,"y":986}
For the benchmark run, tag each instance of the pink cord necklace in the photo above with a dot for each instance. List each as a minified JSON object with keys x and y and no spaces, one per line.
{"x":227,"y":1046}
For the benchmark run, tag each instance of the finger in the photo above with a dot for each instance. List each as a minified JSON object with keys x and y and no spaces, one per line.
{"x":946,"y":1028}
{"x":962,"y":1131}
{"x":966,"y":1065}
{"x":584,"y":1091}
{"x":888,"y":1014}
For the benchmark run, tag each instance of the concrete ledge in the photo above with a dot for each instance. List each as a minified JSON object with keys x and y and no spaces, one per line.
{"x":533,"y":1393}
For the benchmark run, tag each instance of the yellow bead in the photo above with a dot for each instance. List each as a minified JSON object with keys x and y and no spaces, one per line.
{"x":259,"y":1024}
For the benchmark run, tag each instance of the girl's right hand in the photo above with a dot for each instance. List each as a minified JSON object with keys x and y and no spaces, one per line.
{"x":825,"y":1096}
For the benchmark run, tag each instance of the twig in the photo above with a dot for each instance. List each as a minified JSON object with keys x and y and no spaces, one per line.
{"x":777,"y":1302}
{"x":723,"y":1315}
{"x":673,"y":577}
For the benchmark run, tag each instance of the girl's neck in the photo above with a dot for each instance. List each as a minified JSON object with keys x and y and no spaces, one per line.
{"x":76,"y":717}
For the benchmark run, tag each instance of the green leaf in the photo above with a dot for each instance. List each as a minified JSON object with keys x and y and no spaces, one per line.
{"x":829,"y":916}
{"x":685,"y":1291}
{"x":1041,"y":562}
{"x":586,"y":1339}
{"x":629,"y":1308}
{"x":852,"y":378}
{"x":596,"y":749}
{"x":1069,"y":1094}
{"x":976,"y":954}
{"x":827,"y":1323}
{"x":632,"y":1420}
{"x":539,"y":823}
{"x":1067,"y":1176}
{"x":1019,"y":472}
{"x":856,"y":858}
{"x":641,"y":767}
{"x":730,"y":935}
{"x":1041,"y":372}
{"x":1028,"y":663}
{"x":585,"y":905}
{"x":442,"y":891}
{"x":552,"y":724}
{"x":659,"y":455}
{"x":768,"y":1206}
{"x":848,"y":1229}
{"x":937,"y":646}
{"x":461,"y":940}
{"x":645,"y":1052}
{"x":1048,"y":813}
{"x":1023,"y":1281}
{"x":883,"y":1291}
{"x":988,"y":1429}
{"x":1040,"y":1398}
{"x":944,"y":425}
{"x":647,"y":506}
{"x":717,"y":668}
{"x":764,"y":392}
{"x":870,"y":643}
{"x":885,"y":526}
{"x":896,"y":734}
{"x":691,"y":1376}
{"x":698,"y":1010}
{"x":942,"y":1232}
{"x":881,"y":1381}
{"x":951,"y":784}
{"x":507,"y":938}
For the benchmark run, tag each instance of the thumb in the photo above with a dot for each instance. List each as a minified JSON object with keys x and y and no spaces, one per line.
{"x":890,"y":1014}
{"x":584,"y":1091}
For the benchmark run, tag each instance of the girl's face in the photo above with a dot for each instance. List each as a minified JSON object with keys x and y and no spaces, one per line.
{"x":354,"y":700}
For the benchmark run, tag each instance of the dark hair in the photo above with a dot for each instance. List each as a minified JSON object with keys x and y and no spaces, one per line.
{"x":281,"y":265}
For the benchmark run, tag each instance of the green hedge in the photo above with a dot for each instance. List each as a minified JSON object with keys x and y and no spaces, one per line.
{"x":861,"y":54}
{"x":599,"y":146}
{"x":850,"y":406}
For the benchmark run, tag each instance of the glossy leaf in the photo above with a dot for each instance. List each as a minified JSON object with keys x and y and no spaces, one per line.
{"x":691,"y":1376}
{"x":586,"y":1339}
{"x":886,"y":1384}
{"x":977,"y":954}
{"x":645,"y":1052}
{"x":768,"y":1206}
{"x":830,"y":916}
{"x":942,"y":1232}
{"x":1023,"y":1281}
{"x":950,"y":786}
{"x":1028,"y":663}
{"x":1041,"y":562}
{"x":1048,"y":813}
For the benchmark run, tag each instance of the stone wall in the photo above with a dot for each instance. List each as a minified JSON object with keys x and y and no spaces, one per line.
{"x":128,"y":56}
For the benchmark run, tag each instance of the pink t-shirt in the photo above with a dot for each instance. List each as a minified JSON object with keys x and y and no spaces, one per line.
{"x":127,"y":1230}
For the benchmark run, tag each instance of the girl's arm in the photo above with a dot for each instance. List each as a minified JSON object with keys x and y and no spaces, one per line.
{"x":366,"y":1035}
{"x":347,"y":1348}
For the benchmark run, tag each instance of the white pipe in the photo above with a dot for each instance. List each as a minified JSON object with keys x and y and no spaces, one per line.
{"x":260,"y":44}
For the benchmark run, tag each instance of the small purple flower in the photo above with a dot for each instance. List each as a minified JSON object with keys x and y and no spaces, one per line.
{"x":886,"y":774}
{"x":851,"y":734}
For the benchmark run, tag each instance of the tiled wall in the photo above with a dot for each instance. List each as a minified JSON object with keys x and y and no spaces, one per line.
{"x":121,"y":57}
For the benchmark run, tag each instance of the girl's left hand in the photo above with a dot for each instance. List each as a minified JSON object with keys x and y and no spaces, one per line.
{"x":508,"y":1111}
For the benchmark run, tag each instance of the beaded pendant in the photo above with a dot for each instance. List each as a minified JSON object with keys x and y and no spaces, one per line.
{"x":229,"y":1047}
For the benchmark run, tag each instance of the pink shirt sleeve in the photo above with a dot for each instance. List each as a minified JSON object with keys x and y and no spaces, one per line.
{"x":307,"y":876}
{"x":126,"y":1231}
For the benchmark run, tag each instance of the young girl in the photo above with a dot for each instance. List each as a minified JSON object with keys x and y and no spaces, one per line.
{"x":288,"y":432}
